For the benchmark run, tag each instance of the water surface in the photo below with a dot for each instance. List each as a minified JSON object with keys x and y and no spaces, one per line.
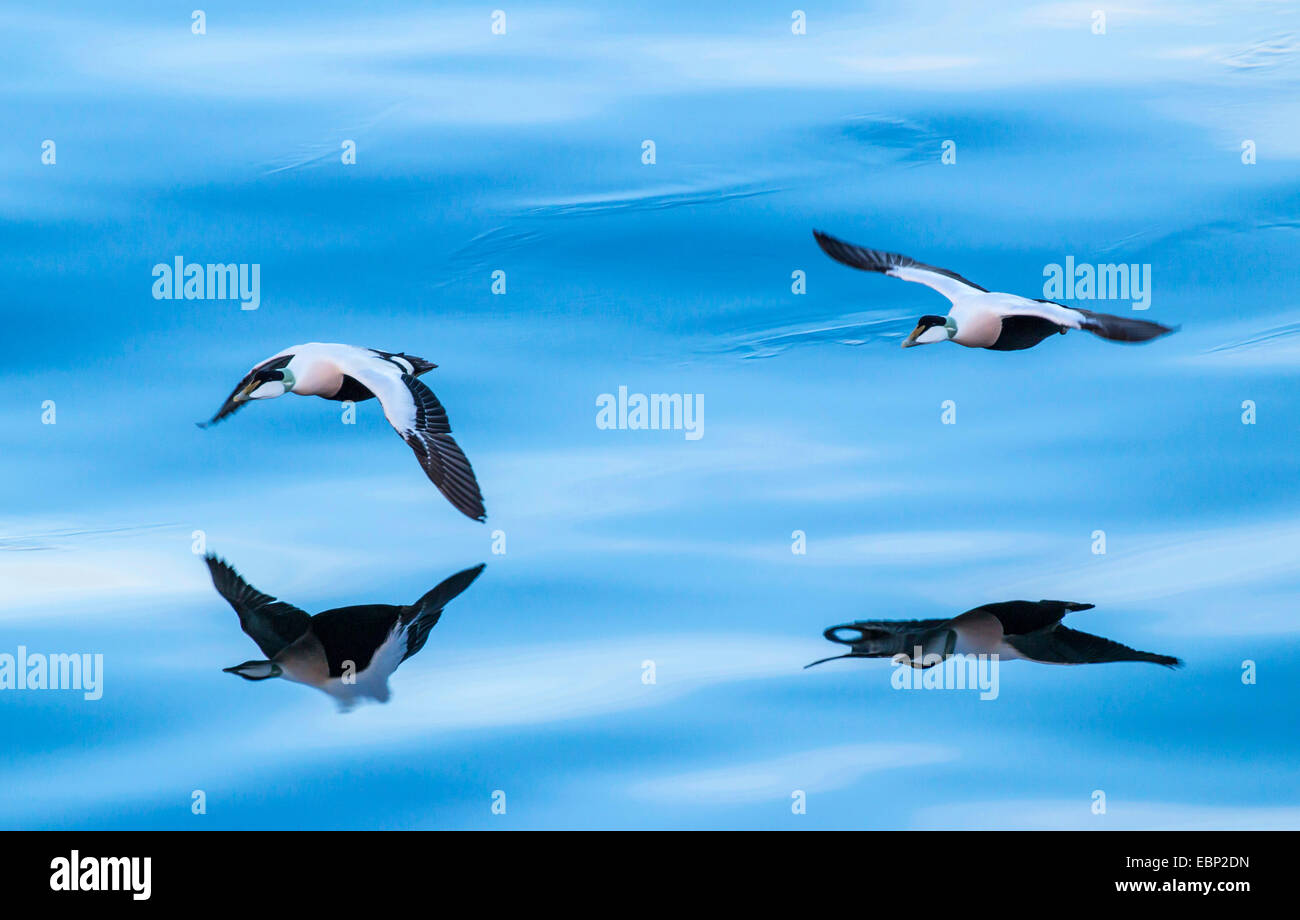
{"x":522,"y":153}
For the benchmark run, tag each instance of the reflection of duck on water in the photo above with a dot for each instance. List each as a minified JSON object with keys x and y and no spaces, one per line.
{"x":1028,"y":630}
{"x":347,"y":652}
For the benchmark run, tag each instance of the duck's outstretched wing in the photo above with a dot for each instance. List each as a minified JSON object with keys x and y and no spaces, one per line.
{"x":1062,"y":645}
{"x":424,"y":614}
{"x":879,"y":638}
{"x":270,"y":623}
{"x":1123,"y":328}
{"x":1020,"y":617}
{"x":949,"y":284}
{"x":1103,"y":325}
{"x":415,"y":413}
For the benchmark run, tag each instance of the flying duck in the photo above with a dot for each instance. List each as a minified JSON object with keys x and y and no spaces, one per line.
{"x":348,"y":372}
{"x":980,"y":318}
{"x":1027,"y":630}
{"x":347,"y":652}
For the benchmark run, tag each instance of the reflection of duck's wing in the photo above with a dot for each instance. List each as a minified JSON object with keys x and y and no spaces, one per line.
{"x":884,"y":638}
{"x":425,"y":613}
{"x":866,"y":628}
{"x":1021,"y":617}
{"x":270,"y":623}
{"x":1062,"y":645}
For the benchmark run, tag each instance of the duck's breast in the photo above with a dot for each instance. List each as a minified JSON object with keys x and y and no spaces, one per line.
{"x":979,"y":321}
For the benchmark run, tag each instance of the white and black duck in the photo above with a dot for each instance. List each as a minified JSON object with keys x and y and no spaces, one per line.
{"x":349,"y":372}
{"x":979,"y":318}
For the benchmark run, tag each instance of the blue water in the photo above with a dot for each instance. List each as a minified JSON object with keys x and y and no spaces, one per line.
{"x":522,"y":153}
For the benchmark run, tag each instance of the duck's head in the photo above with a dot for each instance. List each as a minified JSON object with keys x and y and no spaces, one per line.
{"x":255,"y":670}
{"x":930,"y":329}
{"x":266,"y":384}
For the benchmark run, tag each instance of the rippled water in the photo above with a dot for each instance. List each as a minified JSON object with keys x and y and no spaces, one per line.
{"x":631,"y":553}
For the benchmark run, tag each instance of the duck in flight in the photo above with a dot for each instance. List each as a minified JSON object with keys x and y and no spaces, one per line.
{"x":347,"y":372}
{"x":980,"y":318}
{"x":348,"y":652}
{"x":1025,"y":630}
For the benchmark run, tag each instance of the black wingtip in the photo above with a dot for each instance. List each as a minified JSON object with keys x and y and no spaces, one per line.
{"x":220,"y":571}
{"x":453,"y":586}
{"x":210,"y":422}
{"x":448,"y":589}
{"x":476,"y":514}
{"x":1126,"y":330}
{"x":470,"y":506}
